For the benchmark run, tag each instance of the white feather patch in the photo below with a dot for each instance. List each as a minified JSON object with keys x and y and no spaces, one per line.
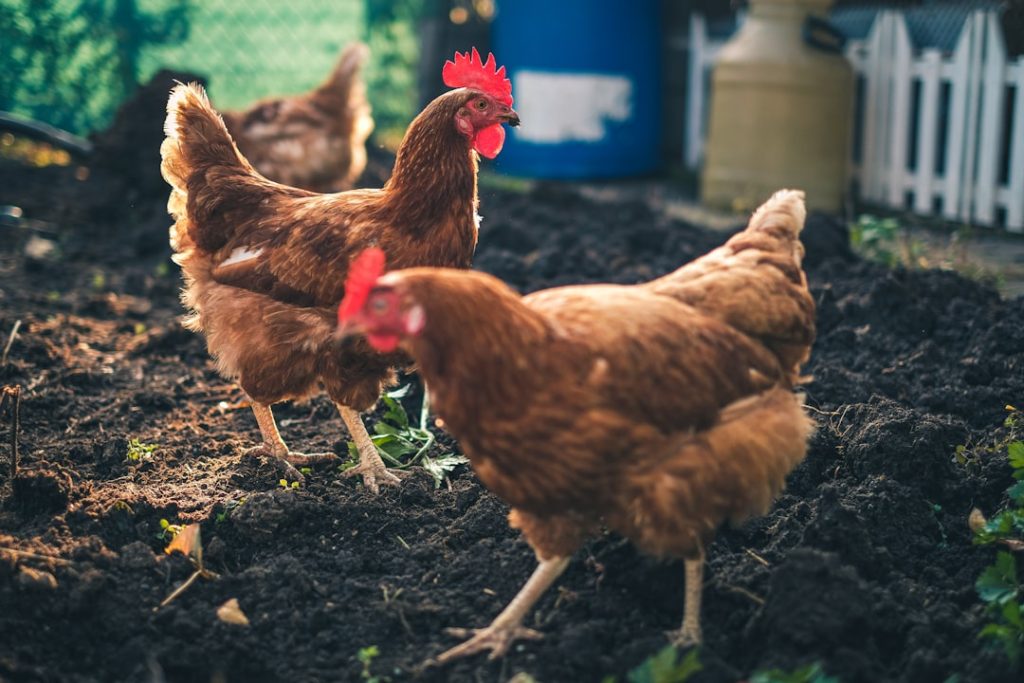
{"x":241,"y":254}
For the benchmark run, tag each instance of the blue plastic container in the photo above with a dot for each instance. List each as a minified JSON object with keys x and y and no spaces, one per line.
{"x":586,"y":82}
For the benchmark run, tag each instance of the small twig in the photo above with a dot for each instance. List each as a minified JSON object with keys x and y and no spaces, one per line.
{"x":756,"y":557}
{"x":819,"y":411}
{"x":35,"y":556}
{"x":199,"y":572}
{"x":180,"y":589}
{"x":753,"y":597}
{"x":15,"y":393}
{"x":10,"y":341}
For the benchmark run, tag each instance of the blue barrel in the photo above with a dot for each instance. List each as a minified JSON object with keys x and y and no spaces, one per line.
{"x":586,"y":82}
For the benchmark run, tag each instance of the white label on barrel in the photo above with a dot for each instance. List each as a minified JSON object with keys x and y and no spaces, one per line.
{"x":569,"y":107}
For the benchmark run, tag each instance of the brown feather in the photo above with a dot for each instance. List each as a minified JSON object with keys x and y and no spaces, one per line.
{"x":265,"y":264}
{"x":317,"y":140}
{"x":657,"y":409}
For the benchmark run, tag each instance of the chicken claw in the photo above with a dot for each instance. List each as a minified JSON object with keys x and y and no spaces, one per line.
{"x":508,"y":627}
{"x":286,"y":460}
{"x":683,"y":638}
{"x":375,"y":474}
{"x":370,"y":465}
{"x":689,"y":634}
{"x":497,"y":639}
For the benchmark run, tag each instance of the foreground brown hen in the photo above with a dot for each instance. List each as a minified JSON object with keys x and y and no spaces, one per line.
{"x":316,"y":140}
{"x":660,"y":410}
{"x":265,"y":264}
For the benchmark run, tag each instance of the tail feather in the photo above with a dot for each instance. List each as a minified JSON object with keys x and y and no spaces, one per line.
{"x":783,"y":214}
{"x":729,"y":472}
{"x":347,"y":70}
{"x":345,"y":91}
{"x":196,"y":142}
{"x":755,"y":281}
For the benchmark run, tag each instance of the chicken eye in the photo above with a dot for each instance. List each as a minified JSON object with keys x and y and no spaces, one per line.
{"x":481,"y":104}
{"x":379,"y":306}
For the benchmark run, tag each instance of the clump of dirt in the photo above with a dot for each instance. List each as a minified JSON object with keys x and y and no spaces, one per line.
{"x":865,"y":563}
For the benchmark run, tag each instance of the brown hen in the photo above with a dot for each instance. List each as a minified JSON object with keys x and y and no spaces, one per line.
{"x":265,"y":264}
{"x":660,"y":410}
{"x":317,"y":140}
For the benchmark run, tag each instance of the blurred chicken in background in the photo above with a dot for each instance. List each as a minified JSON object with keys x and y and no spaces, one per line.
{"x":315,"y":141}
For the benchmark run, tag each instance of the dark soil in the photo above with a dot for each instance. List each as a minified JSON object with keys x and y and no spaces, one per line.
{"x":865,"y":564}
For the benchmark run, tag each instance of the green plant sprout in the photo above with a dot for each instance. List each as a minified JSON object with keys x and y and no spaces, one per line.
{"x":812,"y":673}
{"x":366,"y":655}
{"x":999,"y":586}
{"x":885,"y":241}
{"x":288,"y":486}
{"x":402,"y":445}
{"x":168,"y":531}
{"x":229,"y":507}
{"x":138,"y":450}
{"x":970,"y":455}
{"x":99,"y":281}
{"x":667,"y":665}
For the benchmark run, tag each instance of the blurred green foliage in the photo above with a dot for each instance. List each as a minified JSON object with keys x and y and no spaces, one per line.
{"x":261,"y":48}
{"x":70,"y":62}
{"x":391,"y":34}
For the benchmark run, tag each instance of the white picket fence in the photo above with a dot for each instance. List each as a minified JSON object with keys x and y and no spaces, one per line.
{"x":966,"y":159}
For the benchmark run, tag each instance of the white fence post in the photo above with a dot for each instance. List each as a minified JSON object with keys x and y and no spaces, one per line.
{"x":877,"y":108}
{"x":977,"y":74}
{"x":901,"y":77}
{"x":695,"y":92}
{"x":927,"y":130}
{"x":993,"y":80}
{"x":1015,"y":196}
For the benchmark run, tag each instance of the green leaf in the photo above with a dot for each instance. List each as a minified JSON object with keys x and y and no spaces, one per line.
{"x":998,"y":583}
{"x":1016,"y":493}
{"x":385,"y":428}
{"x":811,"y":673}
{"x":440,"y":467}
{"x":1016,"y":454}
{"x":1012,"y":614}
{"x":395,"y":413}
{"x":666,"y":667}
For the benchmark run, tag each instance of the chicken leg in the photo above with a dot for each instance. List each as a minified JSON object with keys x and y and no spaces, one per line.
{"x":507,"y":627}
{"x":275,"y":446}
{"x":370,"y":465}
{"x":690,"y":634}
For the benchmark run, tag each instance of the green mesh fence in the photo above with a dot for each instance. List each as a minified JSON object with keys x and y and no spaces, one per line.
{"x":70,"y":63}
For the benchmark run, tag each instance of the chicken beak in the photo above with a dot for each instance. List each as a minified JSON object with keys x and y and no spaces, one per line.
{"x":511,"y":117}
{"x":347,"y":329}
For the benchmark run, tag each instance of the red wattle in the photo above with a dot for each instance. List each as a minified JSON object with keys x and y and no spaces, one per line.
{"x":385,"y":343}
{"x":489,"y":141}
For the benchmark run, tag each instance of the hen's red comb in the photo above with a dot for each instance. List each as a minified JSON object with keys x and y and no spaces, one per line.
{"x":362,"y":274}
{"x":469,"y":71}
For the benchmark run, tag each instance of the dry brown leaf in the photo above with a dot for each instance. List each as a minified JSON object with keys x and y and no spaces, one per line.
{"x":231,"y":613}
{"x":188,"y":543}
{"x":976,"y":520}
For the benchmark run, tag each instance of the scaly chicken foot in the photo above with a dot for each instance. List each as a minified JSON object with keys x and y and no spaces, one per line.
{"x":689,"y":634}
{"x":375,"y":473}
{"x":274,"y":447}
{"x":507,"y":627}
